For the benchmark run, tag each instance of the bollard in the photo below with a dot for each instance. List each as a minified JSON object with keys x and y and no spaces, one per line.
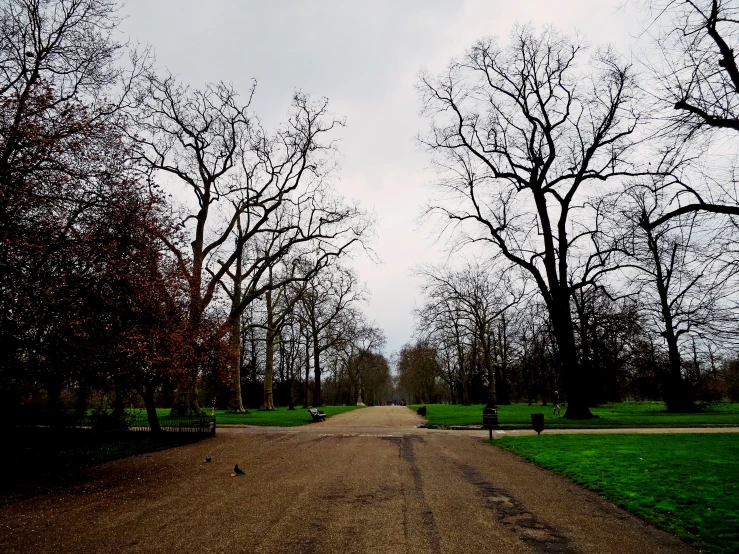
{"x":537,"y":422}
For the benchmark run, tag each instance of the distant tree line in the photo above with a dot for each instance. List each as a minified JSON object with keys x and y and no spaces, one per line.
{"x":624,"y":356}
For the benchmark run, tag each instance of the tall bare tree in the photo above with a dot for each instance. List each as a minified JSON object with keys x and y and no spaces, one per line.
{"x":280,"y":306}
{"x":326,"y":299}
{"x":683,"y":282}
{"x":525,"y":140}
{"x":242,"y":181}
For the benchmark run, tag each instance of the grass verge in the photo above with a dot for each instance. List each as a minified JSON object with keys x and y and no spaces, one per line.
{"x":279,"y":417}
{"x":622,"y":414}
{"x":685,"y":484}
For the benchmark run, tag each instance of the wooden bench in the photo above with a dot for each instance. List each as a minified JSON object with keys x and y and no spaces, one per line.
{"x":316,"y":415}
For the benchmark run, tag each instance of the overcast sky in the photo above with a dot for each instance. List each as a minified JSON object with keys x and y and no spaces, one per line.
{"x":365,"y":57}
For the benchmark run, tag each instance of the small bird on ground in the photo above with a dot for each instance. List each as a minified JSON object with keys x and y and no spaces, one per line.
{"x":207,"y":459}
{"x":237,"y":471}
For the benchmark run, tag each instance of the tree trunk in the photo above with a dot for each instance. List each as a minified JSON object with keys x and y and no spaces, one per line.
{"x":186,"y":395}
{"x":316,"y":359}
{"x":235,"y":401}
{"x":53,"y":403}
{"x":583,"y":317}
{"x":151,"y":410}
{"x":291,"y":377}
{"x":186,"y":398}
{"x":307,"y":369}
{"x":253,"y":398}
{"x":504,"y":384}
{"x":291,"y":397}
{"x":573,"y":380}
{"x":360,"y":402}
{"x":676,"y":391}
{"x":268,"y":400}
{"x":487,"y":362}
{"x":119,"y":403}
{"x":83,"y":392}
{"x":316,"y":372}
{"x":281,"y":369}
{"x":463,"y":375}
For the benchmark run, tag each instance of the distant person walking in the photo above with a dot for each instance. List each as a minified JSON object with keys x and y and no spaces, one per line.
{"x":556,"y":401}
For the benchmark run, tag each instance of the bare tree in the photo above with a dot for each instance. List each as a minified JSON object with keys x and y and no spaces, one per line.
{"x":537,"y":352}
{"x":359,"y":342}
{"x":326,"y":299}
{"x":698,"y":84}
{"x":290,"y":337}
{"x":699,"y":77}
{"x":478,"y":298}
{"x":418,"y":372}
{"x":243,"y":183}
{"x":374,"y":377}
{"x":442,"y":322}
{"x":683,"y":282}
{"x":525,"y":141}
{"x":280,"y":306}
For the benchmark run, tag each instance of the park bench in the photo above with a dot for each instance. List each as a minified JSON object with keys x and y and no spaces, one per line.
{"x":316,"y":415}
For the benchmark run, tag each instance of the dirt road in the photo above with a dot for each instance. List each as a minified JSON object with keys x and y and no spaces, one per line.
{"x":363,"y":481}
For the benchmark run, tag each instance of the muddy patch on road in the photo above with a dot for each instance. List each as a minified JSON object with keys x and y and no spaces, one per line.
{"x":538,"y":535}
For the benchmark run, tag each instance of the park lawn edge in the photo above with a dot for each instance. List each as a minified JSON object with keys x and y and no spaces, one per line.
{"x":691,"y":541}
{"x":236,"y":419}
{"x":676,"y":528}
{"x":649,"y":418}
{"x":585,"y":485}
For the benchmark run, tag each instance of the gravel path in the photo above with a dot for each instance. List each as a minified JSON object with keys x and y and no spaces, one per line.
{"x":363,"y":481}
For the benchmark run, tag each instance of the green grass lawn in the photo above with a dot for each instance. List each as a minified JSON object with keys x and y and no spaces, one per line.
{"x":623,"y":414}
{"x":686,"y":484}
{"x":280,"y":417}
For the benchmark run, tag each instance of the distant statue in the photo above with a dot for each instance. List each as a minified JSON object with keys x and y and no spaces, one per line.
{"x":359,"y":398}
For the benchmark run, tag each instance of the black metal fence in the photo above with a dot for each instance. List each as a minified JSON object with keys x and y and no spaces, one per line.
{"x":192,"y":424}
{"x":46,"y":452}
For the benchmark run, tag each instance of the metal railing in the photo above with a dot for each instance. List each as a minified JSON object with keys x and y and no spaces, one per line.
{"x":41,"y":451}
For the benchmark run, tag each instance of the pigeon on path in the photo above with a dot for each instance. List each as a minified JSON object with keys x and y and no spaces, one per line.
{"x":207,"y":459}
{"x":237,"y":471}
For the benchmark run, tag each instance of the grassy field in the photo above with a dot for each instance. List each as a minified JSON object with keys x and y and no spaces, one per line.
{"x":686,"y":484}
{"x":280,"y":417}
{"x":623,"y":414}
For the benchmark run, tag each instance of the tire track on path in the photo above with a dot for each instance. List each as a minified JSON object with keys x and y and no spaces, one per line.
{"x":415,"y":502}
{"x":541,"y":537}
